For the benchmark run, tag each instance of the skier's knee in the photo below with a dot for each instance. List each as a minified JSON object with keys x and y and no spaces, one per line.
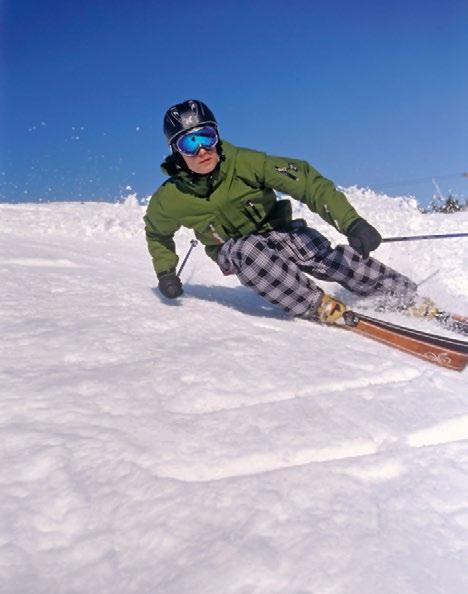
{"x":248,"y":249}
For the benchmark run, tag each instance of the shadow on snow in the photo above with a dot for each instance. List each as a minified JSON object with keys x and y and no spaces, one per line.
{"x":240,"y":298}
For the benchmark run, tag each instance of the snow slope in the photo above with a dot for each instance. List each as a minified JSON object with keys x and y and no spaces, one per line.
{"x":213,"y":445}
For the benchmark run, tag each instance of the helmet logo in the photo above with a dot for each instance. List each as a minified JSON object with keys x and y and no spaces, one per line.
{"x":190,"y":121}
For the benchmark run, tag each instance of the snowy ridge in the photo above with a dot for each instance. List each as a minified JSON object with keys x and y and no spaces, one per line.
{"x":213,"y":445}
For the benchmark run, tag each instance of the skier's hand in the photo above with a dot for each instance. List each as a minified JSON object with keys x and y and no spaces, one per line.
{"x":170,"y":285}
{"x":330,"y":310}
{"x":363,"y":237}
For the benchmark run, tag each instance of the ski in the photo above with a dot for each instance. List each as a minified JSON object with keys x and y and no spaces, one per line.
{"x":454,"y":322}
{"x":440,"y":350}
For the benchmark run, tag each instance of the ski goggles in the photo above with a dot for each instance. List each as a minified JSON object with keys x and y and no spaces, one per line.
{"x":190,"y":143}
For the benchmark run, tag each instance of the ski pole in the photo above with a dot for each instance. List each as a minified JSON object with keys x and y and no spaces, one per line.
{"x":416,"y":237}
{"x":193,"y":243}
{"x":429,"y":277}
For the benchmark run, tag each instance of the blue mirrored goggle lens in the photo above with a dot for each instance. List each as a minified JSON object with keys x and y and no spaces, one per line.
{"x":190,"y":143}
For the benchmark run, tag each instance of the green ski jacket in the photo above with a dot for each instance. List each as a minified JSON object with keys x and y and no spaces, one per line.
{"x":237,"y":199}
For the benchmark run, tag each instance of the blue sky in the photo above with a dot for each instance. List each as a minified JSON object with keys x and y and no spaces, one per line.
{"x":370,"y":93}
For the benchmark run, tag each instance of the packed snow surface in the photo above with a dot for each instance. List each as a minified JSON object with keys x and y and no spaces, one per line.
{"x":212,"y":445}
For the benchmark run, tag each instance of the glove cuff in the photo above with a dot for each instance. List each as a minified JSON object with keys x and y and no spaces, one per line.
{"x":165,"y":273}
{"x":354,"y":225}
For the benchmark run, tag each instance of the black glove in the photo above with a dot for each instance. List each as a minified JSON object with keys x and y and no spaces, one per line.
{"x":170,"y":285}
{"x":363,"y":237}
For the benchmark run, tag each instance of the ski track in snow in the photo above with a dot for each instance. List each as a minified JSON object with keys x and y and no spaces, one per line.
{"x":212,"y":444}
{"x":40,"y":262}
{"x":448,"y":432}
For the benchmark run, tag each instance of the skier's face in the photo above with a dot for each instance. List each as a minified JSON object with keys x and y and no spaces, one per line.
{"x":203,"y":162}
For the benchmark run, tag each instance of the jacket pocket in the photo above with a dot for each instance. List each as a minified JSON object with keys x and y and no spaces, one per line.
{"x":255,"y":213}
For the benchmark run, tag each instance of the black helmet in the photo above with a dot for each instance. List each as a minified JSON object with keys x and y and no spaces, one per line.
{"x":185,"y":116}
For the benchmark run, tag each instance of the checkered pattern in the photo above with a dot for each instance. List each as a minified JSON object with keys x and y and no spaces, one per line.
{"x":273,"y":265}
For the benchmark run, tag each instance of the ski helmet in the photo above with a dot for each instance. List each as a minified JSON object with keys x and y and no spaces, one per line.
{"x":185,"y":116}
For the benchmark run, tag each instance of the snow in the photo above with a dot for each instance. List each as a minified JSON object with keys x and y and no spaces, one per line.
{"x":213,"y":445}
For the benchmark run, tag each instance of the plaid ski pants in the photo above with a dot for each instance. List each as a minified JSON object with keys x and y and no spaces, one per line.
{"x":273,"y":264}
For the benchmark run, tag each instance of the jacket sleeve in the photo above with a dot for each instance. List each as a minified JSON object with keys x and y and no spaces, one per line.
{"x":160,"y":231}
{"x":301,"y":181}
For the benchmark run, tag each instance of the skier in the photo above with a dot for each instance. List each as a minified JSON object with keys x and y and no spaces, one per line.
{"x":226,"y":194}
